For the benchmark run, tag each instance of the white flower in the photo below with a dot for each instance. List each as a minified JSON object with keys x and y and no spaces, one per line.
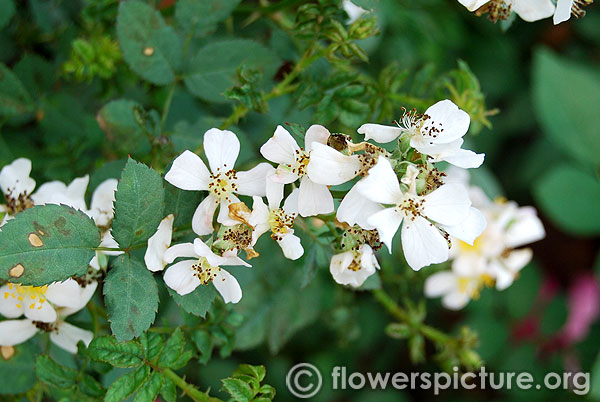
{"x":353,"y":267}
{"x":356,"y":209}
{"x":67,"y":297}
{"x":528,"y":10}
{"x":422,"y":242}
{"x":158,"y":245}
{"x":313,"y":198}
{"x":437,"y":133}
{"x":190,"y":173}
{"x":57,"y":192}
{"x":279,"y":221}
{"x":204,"y":268}
{"x":17,"y":186}
{"x":564,"y":9}
{"x":103,"y":199}
{"x":330,"y":167}
{"x":456,"y":289}
{"x":354,"y":12}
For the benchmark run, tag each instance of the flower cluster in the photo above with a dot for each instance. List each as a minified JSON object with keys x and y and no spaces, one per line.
{"x":528,"y":10}
{"x":392,"y":188}
{"x":493,"y":259}
{"x":46,"y":307}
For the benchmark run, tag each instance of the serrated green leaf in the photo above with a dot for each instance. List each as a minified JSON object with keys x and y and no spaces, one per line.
{"x":183,"y":358}
{"x":119,"y":354}
{"x":168,"y":390}
{"x":566,"y":98}
{"x":212,"y":70}
{"x":131,"y":297}
{"x":127,"y":384}
{"x":89,"y":386}
{"x":117,"y":121}
{"x":239,"y":390}
{"x":149,"y":390}
{"x":257,"y":372}
{"x":198,"y":302}
{"x":14,"y":98}
{"x":18,"y":372}
{"x":150,"y":47}
{"x":197,"y":17}
{"x":203,"y":341}
{"x":152,"y":343}
{"x":138,"y":204}
{"x":570,"y":197}
{"x":173,"y":349}
{"x":54,"y":374}
{"x":47,"y":243}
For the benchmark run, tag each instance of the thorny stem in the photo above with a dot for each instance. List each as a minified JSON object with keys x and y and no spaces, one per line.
{"x":398,"y":312}
{"x":188,"y":389}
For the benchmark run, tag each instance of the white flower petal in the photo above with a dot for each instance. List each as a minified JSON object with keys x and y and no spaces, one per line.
{"x":290,"y":245}
{"x":315,"y":133}
{"x":379,"y":133}
{"x":15,"y":332}
{"x":533,"y":10}
{"x":473,"y":5}
{"x":455,"y":300}
{"x":222,"y":148}
{"x":203,"y":216}
{"x":354,"y":12}
{"x":259,"y":218}
{"x":526,"y":228}
{"x":448,"y":205}
{"x":228,"y":258}
{"x":290,"y":205}
{"x":328,"y":166}
{"x":52,"y":192}
{"x":386,"y":222}
{"x":314,"y":199}
{"x":227,"y":286}
{"x":158,"y":244}
{"x":64,"y":294}
{"x":563,"y":11}
{"x":180,"y":277}
{"x":516,"y":260}
{"x":355,"y":209}
{"x":67,"y":336}
{"x":254,"y":181}
{"x":464,"y":158}
{"x":103,"y":198}
{"x":188,"y":172}
{"x":223,"y":216}
{"x":43,"y":312}
{"x":423,"y":244}
{"x":15,"y":178}
{"x":280,"y":148}
{"x":339,"y":265}
{"x":470,"y":228}
{"x":283,"y":174}
{"x":85,"y":294}
{"x":381,"y":184}
{"x":446,"y":121}
{"x":440,"y":283}
{"x":274,"y":193}
{"x":8,"y":303}
{"x":180,"y":250}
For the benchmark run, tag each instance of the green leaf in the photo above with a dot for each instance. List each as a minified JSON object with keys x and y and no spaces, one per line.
{"x":168,"y":390}
{"x":257,"y":372}
{"x":53,"y":373}
{"x":566,"y":98}
{"x":201,"y":16}
{"x":14,"y":99}
{"x":198,"y":302}
{"x":47,"y":243}
{"x":131,"y":297}
{"x":212,"y":70}
{"x":150,"y":388}
{"x":595,"y":380}
{"x":127,"y":384}
{"x":173,"y":349}
{"x":239,"y":390}
{"x":570,"y":197}
{"x":203,"y":341}
{"x":138,"y":204}
{"x":18,"y":372}
{"x":150,"y":47}
{"x":124,"y":354}
{"x":36,"y":74}
{"x":554,"y":316}
{"x":91,"y":387}
{"x":181,"y":203}
{"x":153,"y":344}
{"x":7,"y":10}
{"x":116,"y":119}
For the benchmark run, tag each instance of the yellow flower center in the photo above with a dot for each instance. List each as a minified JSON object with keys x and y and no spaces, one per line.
{"x":280,"y":222}
{"x":204,"y":271}
{"x":222,"y":185}
{"x":411,"y":206}
{"x":473,"y":286}
{"x":301,"y":160}
{"x":31,"y":296}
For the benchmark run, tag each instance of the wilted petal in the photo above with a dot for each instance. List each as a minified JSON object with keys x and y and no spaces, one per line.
{"x":422,"y":243}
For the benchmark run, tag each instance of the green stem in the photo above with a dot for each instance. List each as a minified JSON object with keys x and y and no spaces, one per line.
{"x":167,"y":106}
{"x":188,"y":389}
